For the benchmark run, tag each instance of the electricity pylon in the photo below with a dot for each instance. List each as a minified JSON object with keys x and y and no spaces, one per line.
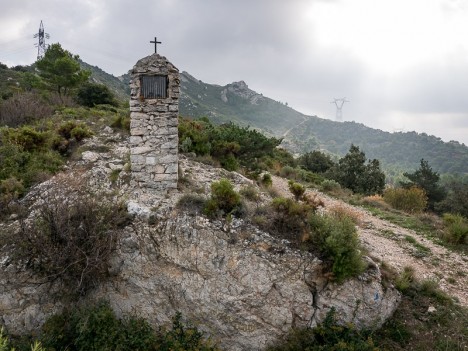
{"x":339,"y":108}
{"x":41,"y":45}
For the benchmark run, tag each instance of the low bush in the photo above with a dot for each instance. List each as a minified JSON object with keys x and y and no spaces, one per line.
{"x":329,"y":185}
{"x":328,"y":335}
{"x":296,"y":189}
{"x":250,"y":193}
{"x":375,"y":201}
{"x":10,"y":190}
{"x":313,"y":201}
{"x":411,"y":200}
{"x":337,"y":240}
{"x":405,"y":279}
{"x":192,"y":203}
{"x":224,"y":200}
{"x":266,"y":180}
{"x":26,"y":138}
{"x":456,"y":229}
{"x":309,"y":177}
{"x":5,"y":344}
{"x":70,"y":238}
{"x":28,"y":167}
{"x":231,"y":145}
{"x":343,"y":212}
{"x":288,"y":172}
{"x":92,"y":94}
{"x":333,"y":237}
{"x":121,"y":121}
{"x":96,"y":328}
{"x":24,"y":108}
{"x":289,"y":219}
{"x":229,"y":162}
{"x":72,"y":129}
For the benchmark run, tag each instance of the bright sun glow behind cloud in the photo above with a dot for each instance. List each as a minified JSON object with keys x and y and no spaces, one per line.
{"x":391,"y":37}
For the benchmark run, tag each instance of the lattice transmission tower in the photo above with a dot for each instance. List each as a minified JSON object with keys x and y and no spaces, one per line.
{"x":339,"y":108}
{"x":41,"y":45}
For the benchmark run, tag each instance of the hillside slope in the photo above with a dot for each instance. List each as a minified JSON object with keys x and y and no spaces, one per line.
{"x":117,"y":85}
{"x":389,"y":243}
{"x":301,"y":133}
{"x":236,"y":102}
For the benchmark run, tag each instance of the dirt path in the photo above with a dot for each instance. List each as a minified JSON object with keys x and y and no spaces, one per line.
{"x":389,"y":243}
{"x":285,"y":134}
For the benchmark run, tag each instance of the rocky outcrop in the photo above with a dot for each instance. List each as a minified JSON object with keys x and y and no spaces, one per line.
{"x":242,"y":90}
{"x":238,"y":284}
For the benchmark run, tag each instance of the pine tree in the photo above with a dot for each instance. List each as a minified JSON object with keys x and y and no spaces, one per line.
{"x":425,"y":178}
{"x":61,"y":70}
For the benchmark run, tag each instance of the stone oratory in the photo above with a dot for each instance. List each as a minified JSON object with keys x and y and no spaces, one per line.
{"x":154,"y":110}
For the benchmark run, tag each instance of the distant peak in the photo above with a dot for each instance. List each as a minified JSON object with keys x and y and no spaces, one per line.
{"x":187,"y":77}
{"x":241,"y":89}
{"x":240,"y":85}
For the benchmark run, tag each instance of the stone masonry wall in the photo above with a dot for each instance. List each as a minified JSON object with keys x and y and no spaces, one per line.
{"x":153,"y":127}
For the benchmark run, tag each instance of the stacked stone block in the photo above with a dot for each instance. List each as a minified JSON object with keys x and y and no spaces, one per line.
{"x":153,"y":127}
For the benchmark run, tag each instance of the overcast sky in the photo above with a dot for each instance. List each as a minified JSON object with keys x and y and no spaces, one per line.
{"x":402,"y":64}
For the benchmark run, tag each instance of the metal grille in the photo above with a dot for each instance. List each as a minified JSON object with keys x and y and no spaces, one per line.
{"x":154,"y":87}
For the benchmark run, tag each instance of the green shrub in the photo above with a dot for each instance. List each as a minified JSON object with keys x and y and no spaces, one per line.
{"x":267,"y":181}
{"x":327,"y":336}
{"x":26,"y":138}
{"x":250,"y":193}
{"x":91,"y":94}
{"x":405,"y":279}
{"x":68,"y":134}
{"x":28,"y":167}
{"x":72,"y":129}
{"x":316,"y":161}
{"x":121,"y":121}
{"x":309,"y":177}
{"x":330,"y":185}
{"x":10,"y":190}
{"x":290,"y":219}
{"x":185,"y":145}
{"x":337,"y":240}
{"x":231,"y":145}
{"x":224,"y":199}
{"x":412,"y":200}
{"x":288,"y":172}
{"x":80,"y":132}
{"x":4,"y":343}
{"x":96,"y":328}
{"x":333,"y":237}
{"x":183,"y":338}
{"x":456,"y":229}
{"x":296,"y":189}
{"x":229,"y":162}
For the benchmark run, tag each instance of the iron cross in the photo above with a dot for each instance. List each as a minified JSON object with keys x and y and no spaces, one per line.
{"x":156,"y":42}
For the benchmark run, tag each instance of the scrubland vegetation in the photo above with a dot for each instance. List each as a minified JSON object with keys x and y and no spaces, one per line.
{"x":45,"y":115}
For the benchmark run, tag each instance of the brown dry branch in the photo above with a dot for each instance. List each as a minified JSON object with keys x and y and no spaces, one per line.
{"x":24,"y":108}
{"x":69,"y":237}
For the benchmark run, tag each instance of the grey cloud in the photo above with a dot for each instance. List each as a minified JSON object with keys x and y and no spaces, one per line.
{"x":433,"y":89}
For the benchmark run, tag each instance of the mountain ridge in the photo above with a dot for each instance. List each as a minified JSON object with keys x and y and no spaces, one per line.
{"x":236,"y":102}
